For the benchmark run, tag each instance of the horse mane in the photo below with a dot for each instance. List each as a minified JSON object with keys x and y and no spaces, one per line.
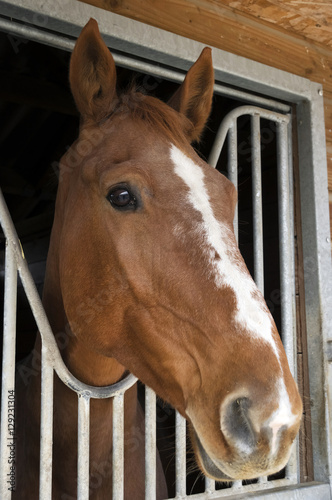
{"x":155,"y":114}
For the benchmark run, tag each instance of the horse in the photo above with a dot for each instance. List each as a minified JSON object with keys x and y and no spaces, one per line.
{"x":144,"y":275}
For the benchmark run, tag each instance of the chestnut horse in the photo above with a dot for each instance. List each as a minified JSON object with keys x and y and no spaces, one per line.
{"x":144,"y":274}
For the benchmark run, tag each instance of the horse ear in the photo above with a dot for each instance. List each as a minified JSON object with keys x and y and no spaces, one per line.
{"x":92,"y":74}
{"x":194,"y":97}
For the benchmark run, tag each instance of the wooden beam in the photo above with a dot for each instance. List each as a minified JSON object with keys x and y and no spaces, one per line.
{"x":220,"y":26}
{"x":308,"y":18}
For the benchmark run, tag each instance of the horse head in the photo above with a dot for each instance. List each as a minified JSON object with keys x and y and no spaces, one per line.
{"x":150,"y":274}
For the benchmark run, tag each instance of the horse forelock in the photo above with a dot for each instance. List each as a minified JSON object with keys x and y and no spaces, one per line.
{"x":155,"y":114}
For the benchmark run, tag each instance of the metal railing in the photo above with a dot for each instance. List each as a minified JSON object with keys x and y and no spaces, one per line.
{"x":228,"y":128}
{"x":52,"y":360}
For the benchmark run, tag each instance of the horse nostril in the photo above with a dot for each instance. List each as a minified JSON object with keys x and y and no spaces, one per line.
{"x":237,"y":425}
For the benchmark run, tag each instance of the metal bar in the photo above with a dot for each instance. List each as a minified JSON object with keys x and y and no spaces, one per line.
{"x":46,"y":427}
{"x":7,"y":434}
{"x":210,"y":485}
{"x":52,"y":358}
{"x":42,"y":321}
{"x":237,"y":485}
{"x":293,"y":466}
{"x":34,"y":33}
{"x":118,"y":448}
{"x":257,"y":202}
{"x":286,"y":263}
{"x":286,"y":253}
{"x":317,"y":272}
{"x":232,"y":168}
{"x":83,"y":447}
{"x":48,"y":339}
{"x":150,"y":444}
{"x":230,"y":118}
{"x":66,"y":43}
{"x":228,"y":127}
{"x":272,"y":491}
{"x":292,"y":339}
{"x":180,"y":456}
{"x":136,"y":38}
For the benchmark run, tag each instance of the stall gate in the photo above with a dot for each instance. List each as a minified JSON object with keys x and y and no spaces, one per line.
{"x":312,"y":164}
{"x":52,"y":361}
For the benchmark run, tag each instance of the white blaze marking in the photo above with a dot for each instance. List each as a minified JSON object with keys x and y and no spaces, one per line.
{"x":283,"y":416}
{"x":226,"y":271}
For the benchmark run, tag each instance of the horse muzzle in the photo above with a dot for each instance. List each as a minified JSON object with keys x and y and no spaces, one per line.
{"x":251,"y":441}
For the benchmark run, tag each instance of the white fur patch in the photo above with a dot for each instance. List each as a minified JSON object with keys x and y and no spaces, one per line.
{"x":283,"y":416}
{"x":226,"y":271}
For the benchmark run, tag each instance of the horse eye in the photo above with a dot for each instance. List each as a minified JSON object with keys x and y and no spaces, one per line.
{"x":121,"y":198}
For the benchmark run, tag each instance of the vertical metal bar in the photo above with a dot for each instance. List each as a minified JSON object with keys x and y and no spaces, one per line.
{"x":292,"y":465}
{"x":83,"y":447}
{"x":286,"y":254}
{"x":257,"y":202}
{"x":218,"y":144}
{"x":237,"y":485}
{"x":46,"y":427}
{"x":7,"y":435}
{"x":150,"y":444}
{"x":292,"y":339}
{"x":180,"y":456}
{"x":210,"y":485}
{"x":286,"y":261}
{"x":292,"y":468}
{"x":233,"y":168}
{"x":118,"y":448}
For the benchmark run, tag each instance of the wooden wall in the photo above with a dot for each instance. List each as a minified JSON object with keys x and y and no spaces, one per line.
{"x":295,"y":38}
